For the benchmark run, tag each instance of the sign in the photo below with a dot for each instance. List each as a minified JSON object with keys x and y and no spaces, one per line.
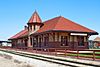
{"x":81,"y":34}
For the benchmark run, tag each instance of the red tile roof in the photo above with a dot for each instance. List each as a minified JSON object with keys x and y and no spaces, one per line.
{"x":57,"y":24}
{"x":35,"y":18}
{"x":62,"y":24}
{"x":22,"y":33}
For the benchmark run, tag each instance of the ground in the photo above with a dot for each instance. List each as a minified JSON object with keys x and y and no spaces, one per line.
{"x":8,"y":62}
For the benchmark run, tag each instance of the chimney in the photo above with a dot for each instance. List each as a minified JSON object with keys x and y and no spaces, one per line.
{"x":25,"y":27}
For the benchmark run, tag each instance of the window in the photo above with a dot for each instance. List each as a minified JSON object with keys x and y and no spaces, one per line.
{"x":34,"y":42}
{"x":31,"y":41}
{"x":80,"y":41}
{"x":64,"y":41}
{"x":34,"y":27}
{"x":31,"y":28}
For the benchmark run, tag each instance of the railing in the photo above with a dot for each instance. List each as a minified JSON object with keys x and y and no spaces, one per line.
{"x":90,"y":54}
{"x":5,"y":47}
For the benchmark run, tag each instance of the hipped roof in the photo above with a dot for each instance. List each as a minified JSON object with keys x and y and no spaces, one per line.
{"x":57,"y":24}
{"x":35,"y":18}
{"x":62,"y":24}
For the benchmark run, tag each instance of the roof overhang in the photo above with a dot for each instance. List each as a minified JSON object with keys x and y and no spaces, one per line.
{"x":88,"y":33}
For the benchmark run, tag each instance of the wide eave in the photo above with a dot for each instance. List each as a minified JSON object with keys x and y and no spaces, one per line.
{"x":61,"y":24}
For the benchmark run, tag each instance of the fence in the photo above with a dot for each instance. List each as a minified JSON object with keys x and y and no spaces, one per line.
{"x":90,"y":54}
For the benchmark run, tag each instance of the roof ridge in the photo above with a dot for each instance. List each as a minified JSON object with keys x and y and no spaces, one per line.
{"x":51,"y":19}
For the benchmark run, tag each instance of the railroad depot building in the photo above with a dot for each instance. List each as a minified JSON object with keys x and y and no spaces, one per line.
{"x":57,"y":32}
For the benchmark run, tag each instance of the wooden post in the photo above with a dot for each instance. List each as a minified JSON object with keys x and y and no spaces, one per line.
{"x":58,"y":36}
{"x":36,"y":50}
{"x":41,"y":50}
{"x":93,"y":54}
{"x":54,"y":37}
{"x":65,"y":52}
{"x":55,"y":52}
{"x":29,"y":41}
{"x":77,"y":53}
{"x":48,"y":51}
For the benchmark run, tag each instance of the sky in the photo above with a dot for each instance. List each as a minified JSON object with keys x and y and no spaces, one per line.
{"x":14,"y":14}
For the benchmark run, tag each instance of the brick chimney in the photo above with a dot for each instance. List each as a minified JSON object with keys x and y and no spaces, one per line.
{"x":25,"y":27}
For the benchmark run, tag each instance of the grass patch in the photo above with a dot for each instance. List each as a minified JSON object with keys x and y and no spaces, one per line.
{"x":97,"y":52}
{"x":85,"y":55}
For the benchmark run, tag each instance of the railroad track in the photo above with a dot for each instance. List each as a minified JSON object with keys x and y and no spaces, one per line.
{"x":52,"y":60}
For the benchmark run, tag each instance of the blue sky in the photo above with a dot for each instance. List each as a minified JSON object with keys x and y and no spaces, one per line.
{"x":14,"y":14}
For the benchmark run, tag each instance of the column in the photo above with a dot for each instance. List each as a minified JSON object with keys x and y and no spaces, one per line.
{"x":29,"y":42}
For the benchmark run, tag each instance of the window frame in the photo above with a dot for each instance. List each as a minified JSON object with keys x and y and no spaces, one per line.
{"x":64,"y":40}
{"x":80,"y":41}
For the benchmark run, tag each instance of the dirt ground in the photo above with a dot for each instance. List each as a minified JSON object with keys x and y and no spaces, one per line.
{"x":8,"y":62}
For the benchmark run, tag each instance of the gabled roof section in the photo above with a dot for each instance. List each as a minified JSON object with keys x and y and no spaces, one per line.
{"x":97,"y":39}
{"x":22,"y":33}
{"x":35,"y":18}
{"x":62,"y":24}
